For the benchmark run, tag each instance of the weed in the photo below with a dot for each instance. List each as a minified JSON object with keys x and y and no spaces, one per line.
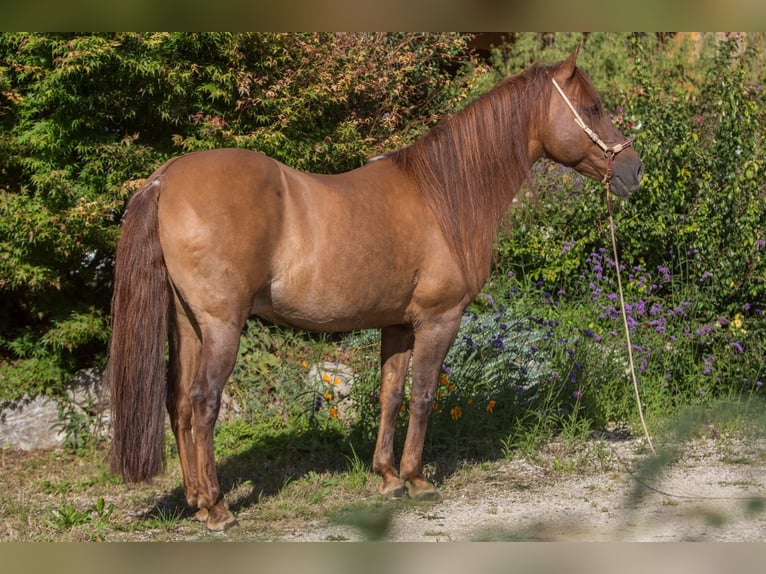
{"x":67,"y":515}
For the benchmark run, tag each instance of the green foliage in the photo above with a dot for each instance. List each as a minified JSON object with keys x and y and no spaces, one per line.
{"x":84,"y":117}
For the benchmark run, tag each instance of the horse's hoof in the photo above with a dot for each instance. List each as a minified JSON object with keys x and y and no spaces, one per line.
{"x":424,"y":491}
{"x":222,"y":526}
{"x":394,"y":488}
{"x":217,"y":518}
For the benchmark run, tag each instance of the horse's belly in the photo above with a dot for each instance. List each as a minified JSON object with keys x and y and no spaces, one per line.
{"x":335,"y":305}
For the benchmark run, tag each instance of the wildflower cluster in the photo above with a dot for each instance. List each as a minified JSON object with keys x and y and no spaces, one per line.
{"x":672,"y":328}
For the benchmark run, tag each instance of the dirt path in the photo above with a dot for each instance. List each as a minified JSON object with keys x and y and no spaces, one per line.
{"x":715,"y":492}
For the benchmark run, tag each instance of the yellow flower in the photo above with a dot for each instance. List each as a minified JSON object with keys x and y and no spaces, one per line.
{"x":738,"y":322}
{"x":491,"y":406}
{"x":443,"y":380}
{"x":328,"y":395}
{"x":304,"y":364}
{"x":334,"y":412}
{"x":456,"y":412}
{"x":337,"y":380}
{"x":325,"y":377}
{"x":435,"y":406}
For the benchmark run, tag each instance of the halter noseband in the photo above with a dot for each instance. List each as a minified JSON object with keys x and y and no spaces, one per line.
{"x":609,"y":151}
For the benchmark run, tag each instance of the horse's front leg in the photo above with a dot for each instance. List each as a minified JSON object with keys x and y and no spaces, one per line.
{"x":395,"y":351}
{"x":432,"y":341}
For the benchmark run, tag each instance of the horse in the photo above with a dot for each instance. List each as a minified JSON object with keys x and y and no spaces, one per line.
{"x":217,"y":236}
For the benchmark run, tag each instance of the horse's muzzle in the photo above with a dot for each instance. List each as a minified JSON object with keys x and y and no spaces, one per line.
{"x":626,"y":178}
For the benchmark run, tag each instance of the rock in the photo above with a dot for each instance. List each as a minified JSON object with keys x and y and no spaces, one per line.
{"x":335,"y":380}
{"x":34,"y":423}
{"x":29,"y":424}
{"x":332,"y":375}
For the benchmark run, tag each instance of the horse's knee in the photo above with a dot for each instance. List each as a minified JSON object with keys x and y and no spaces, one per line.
{"x":421,"y":406}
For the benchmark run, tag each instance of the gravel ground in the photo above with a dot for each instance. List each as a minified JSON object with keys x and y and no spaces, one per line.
{"x":715,"y":491}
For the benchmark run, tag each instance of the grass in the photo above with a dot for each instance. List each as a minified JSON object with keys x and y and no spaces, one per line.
{"x":305,"y":482}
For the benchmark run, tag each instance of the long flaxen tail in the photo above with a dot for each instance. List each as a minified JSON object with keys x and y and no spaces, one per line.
{"x":136,"y":372}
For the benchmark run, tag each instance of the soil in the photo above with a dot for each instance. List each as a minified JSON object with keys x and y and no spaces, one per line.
{"x":715,"y":491}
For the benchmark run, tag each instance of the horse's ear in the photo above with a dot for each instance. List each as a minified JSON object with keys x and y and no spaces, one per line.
{"x":567,"y":68}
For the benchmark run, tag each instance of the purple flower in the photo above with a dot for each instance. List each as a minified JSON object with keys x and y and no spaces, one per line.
{"x":593,"y":335}
{"x":577,"y":394}
{"x":659,"y":324}
{"x":737,"y":346}
{"x":665,"y":272}
{"x":702,"y":331}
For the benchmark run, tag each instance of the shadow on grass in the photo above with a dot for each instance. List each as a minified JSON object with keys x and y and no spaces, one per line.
{"x":269,"y":459}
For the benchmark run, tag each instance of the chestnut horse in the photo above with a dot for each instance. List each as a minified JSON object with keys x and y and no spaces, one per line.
{"x":214,"y":237}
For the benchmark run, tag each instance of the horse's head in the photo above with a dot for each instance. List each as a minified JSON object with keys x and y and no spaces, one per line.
{"x":578,"y":133}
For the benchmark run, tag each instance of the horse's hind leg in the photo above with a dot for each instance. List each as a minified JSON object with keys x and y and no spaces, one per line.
{"x":395,"y":351}
{"x":220,"y":341}
{"x":184,"y":352}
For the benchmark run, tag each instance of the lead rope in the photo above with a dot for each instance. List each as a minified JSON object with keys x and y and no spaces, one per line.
{"x":625,"y":322}
{"x":610,"y":152}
